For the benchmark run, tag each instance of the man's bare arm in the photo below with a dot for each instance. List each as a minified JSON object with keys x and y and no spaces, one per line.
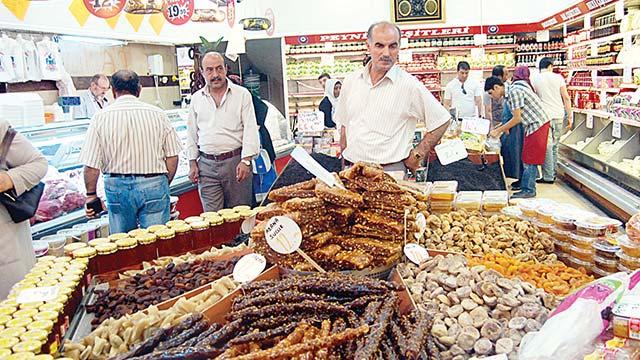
{"x":431,"y":139}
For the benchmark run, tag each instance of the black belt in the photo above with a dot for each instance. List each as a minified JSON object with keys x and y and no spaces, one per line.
{"x":223,"y":156}
{"x":134,"y":175}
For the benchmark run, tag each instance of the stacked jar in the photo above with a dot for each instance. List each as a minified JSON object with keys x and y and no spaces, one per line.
{"x":107,"y":260}
{"x":216,"y":223}
{"x":590,"y":235}
{"x":544,"y":216}
{"x":201,"y":235}
{"x":231,"y":226}
{"x":147,"y":246}
{"x":89,"y":254}
{"x":166,"y":242}
{"x":127,"y":253}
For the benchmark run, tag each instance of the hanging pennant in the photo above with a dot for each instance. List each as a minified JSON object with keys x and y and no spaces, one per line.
{"x":17,"y":7}
{"x":104,"y":8}
{"x":157,"y":22}
{"x":79,"y":12}
{"x":134,"y":20}
{"x":112,"y":22}
{"x":178,"y":12}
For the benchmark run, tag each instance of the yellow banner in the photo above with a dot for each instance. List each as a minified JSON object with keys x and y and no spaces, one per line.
{"x":113,"y":21}
{"x":17,"y":7}
{"x":135,"y":21}
{"x":79,"y":11}
{"x":157,"y":22}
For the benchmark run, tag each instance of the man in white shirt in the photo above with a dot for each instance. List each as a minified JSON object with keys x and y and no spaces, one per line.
{"x":380,"y":105}
{"x":552,"y":89}
{"x":463,"y":94}
{"x":222,"y":138}
{"x":93,"y":99}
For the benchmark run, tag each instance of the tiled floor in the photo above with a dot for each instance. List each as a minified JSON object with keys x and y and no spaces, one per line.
{"x":563,"y":193}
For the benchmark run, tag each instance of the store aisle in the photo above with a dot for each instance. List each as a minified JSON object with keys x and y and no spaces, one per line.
{"x":563,"y":193}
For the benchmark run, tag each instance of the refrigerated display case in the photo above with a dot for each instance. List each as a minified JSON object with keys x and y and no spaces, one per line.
{"x":598,"y":156}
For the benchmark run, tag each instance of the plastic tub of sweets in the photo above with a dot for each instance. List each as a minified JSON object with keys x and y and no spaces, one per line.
{"x":88,"y":231}
{"x":512,"y":211}
{"x":561,"y":235}
{"x":605,"y":264}
{"x":544,"y":213}
{"x":583,"y":242}
{"x":601,"y":273}
{"x":56,"y":244}
{"x":72,"y":235}
{"x":629,"y":262}
{"x":528,"y":208}
{"x":629,"y":247}
{"x":563,"y":221}
{"x":40,"y":248}
{"x":579,"y":264}
{"x":595,"y":226}
{"x":633,"y":228}
{"x":605,"y":250}
{"x":100,"y":228}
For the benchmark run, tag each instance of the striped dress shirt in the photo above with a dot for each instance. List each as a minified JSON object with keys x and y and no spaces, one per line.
{"x":521,"y":96}
{"x":380,"y":119}
{"x":130,"y":137}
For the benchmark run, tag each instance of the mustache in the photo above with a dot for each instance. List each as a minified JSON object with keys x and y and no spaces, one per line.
{"x":216,"y":78}
{"x":386,"y":58}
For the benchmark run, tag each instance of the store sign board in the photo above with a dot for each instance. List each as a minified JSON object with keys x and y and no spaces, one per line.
{"x":104,"y":8}
{"x":178,"y":12}
{"x":616,"y":131}
{"x":574,"y":12}
{"x":451,"y":151}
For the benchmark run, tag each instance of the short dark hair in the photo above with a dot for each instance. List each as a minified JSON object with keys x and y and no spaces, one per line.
{"x":463,"y":65}
{"x":95,"y":78}
{"x":386,"y":23}
{"x":545,"y":62}
{"x":125,"y":81}
{"x":498,"y":71}
{"x":491,"y":82}
{"x":324,"y":75}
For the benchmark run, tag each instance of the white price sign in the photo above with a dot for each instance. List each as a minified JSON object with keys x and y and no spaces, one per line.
{"x":405,"y":56}
{"x":248,"y":224}
{"x":589,"y":121}
{"x":310,"y":121}
{"x":542,"y":36}
{"x":249,"y":267}
{"x":283,"y":235}
{"x":616,"y":132}
{"x":451,"y":151}
{"x":43,"y":294}
{"x":416,"y":253}
{"x":476,"y":125}
{"x":327,"y":59}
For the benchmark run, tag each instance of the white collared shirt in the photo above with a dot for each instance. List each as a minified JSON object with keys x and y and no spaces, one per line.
{"x":380,"y":119}
{"x":89,"y":105}
{"x":215,"y":130}
{"x":464,"y":103}
{"x":547,"y":85}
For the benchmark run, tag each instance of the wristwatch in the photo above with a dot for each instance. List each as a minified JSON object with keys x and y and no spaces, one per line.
{"x":417,"y":155}
{"x":246,"y":162}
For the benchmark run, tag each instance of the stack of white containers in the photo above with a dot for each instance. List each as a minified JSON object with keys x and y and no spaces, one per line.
{"x":22,"y":109}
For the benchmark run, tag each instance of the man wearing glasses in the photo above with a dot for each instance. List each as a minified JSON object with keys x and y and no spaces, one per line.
{"x":94,"y":98}
{"x":463,"y":94}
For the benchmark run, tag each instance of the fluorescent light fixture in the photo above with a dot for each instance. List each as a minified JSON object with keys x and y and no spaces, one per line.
{"x":92,"y":40}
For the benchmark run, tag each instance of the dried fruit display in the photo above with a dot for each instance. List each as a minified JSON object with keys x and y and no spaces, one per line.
{"x":478,"y":312}
{"x":359,"y":226}
{"x":557,"y":279}
{"x":471,"y":233}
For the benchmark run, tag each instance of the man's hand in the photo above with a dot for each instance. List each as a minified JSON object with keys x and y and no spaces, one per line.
{"x":193,"y":172}
{"x":496,"y":133}
{"x":569,"y":121}
{"x":89,"y":212}
{"x":242,"y":172}
{"x":411,"y":162}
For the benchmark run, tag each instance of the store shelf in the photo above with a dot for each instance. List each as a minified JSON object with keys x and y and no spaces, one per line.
{"x":606,"y":38}
{"x":465,"y":48}
{"x":541,"y":52}
{"x":360,"y":53}
{"x":315,"y":77}
{"x":306,"y":95}
{"x":600,"y":67}
{"x":609,"y":89}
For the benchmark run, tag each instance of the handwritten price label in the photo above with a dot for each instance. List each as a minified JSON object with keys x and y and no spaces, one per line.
{"x":178,"y":12}
{"x":283,"y":235}
{"x":104,"y":8}
{"x":589,"y":121}
{"x":416,"y":253}
{"x":249,"y":267}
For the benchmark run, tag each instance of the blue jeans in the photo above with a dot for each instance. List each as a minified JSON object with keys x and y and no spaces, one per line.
{"x":134,"y":201}
{"x":528,"y":181}
{"x":551,"y":157}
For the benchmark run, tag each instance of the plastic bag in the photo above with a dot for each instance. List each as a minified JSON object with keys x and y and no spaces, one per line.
{"x":578,"y":315}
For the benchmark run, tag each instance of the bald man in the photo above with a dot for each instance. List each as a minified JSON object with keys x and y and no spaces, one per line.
{"x":222,"y":138}
{"x":94,"y":98}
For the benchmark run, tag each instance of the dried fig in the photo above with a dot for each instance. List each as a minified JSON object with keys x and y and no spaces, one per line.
{"x":491,"y":330}
{"x":455,"y":311}
{"x":439,"y":330}
{"x":483,"y":346}
{"x":469,"y":304}
{"x":465,"y":319}
{"x":517,"y":323}
{"x":532,"y":325}
{"x":465,"y":341}
{"x":504,"y":346}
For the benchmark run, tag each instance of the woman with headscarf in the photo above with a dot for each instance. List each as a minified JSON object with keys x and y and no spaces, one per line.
{"x":328,"y":104}
{"x":512,"y":141}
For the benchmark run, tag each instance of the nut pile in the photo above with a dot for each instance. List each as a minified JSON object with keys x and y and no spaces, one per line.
{"x":478,"y":311}
{"x":115,"y":337}
{"x":557,"y":279}
{"x":472,"y":233}
{"x":155,"y":286}
{"x":360,"y":226}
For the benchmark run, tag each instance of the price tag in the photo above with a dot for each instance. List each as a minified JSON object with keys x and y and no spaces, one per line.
{"x":248,"y":224}
{"x":416,"y":253}
{"x":603,"y":97}
{"x":480,"y":39}
{"x":43,"y":294}
{"x":542,"y":36}
{"x":619,"y":10}
{"x":421,"y":221}
{"x":104,"y":8}
{"x":564,"y":30}
{"x":477,"y":53}
{"x":627,"y":75}
{"x":307,"y":162}
{"x":328,"y":45}
{"x":310,"y":121}
{"x":178,"y":12}
{"x":249,"y":267}
{"x":594,"y":50}
{"x":616,"y":132}
{"x":476,"y":125}
{"x":283,"y":235}
{"x":451,"y":151}
{"x":589,"y":121}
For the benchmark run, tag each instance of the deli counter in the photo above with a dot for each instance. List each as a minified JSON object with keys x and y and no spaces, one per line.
{"x":601,"y":158}
{"x":62,"y":204}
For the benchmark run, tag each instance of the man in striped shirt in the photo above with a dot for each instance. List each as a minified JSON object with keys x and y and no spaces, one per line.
{"x":136,"y":148}
{"x":379,"y":108}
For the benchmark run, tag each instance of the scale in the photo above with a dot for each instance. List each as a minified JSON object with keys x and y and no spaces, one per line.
{"x":66,"y":103}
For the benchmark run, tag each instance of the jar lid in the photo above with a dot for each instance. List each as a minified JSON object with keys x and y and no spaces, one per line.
{"x":43,"y":357}
{"x":74,"y":246}
{"x":117,"y":236}
{"x":181,"y":228}
{"x":192,"y":219}
{"x":53,"y":275}
{"x":87,"y":252}
{"x":99,"y":241}
{"x":26,"y":355}
{"x":605,"y":247}
{"x":106,"y":249}
{"x":165,"y":234}
{"x":46,"y":258}
{"x":4,"y":319}
{"x":136,"y":232}
{"x":41,"y":324}
{"x":245,"y":214}
{"x":25,"y":313}
{"x":127,"y":243}
{"x":18,"y":323}
{"x":62,"y":299}
{"x":200,"y":225}
{"x":623,"y":240}
{"x":594,"y":222}
{"x":63,"y":259}
{"x":156,"y":228}
{"x":34,"y":275}
{"x":79,"y":263}
{"x":28,"y":346}
{"x":259,"y":208}
{"x":172,"y":223}
{"x":8,"y":342}
{"x":240,"y":208}
{"x":46,"y":315}
{"x":145,"y":239}
{"x":231,"y":217}
{"x":37,"y":334}
{"x":51,"y":306}
{"x":47,"y":283}
{"x":31,"y":305}
{"x":224,"y":212}
{"x":207,"y":214}
{"x":13,"y":332}
{"x":214,"y":219}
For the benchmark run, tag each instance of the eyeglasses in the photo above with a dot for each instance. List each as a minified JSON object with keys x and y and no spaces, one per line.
{"x":463,"y":90}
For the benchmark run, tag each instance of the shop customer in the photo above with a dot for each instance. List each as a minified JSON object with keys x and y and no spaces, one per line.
{"x":322,"y":79}
{"x":24,"y":170}
{"x":222,"y":138}
{"x":94,"y":98}
{"x":552,"y":90}
{"x":463,"y":94}
{"x":380,"y":105}
{"x":527,"y":108}
{"x":493,"y":110}
{"x":135,"y":147}
{"x":328,"y":103}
